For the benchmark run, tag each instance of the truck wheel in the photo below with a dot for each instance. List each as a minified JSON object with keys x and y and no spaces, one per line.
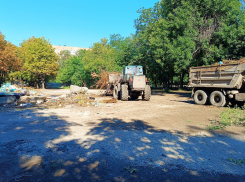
{"x":200,"y":97}
{"x":115,"y":92}
{"x":217,"y":98}
{"x":124,"y":92}
{"x":147,"y":93}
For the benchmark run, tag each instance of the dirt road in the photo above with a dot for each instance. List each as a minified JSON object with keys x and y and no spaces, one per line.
{"x":161,"y":140}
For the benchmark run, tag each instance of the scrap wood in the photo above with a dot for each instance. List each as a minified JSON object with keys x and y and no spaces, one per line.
{"x":104,"y":79}
{"x":113,"y":100}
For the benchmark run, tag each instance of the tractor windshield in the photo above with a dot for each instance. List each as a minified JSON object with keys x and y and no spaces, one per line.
{"x":131,"y":70}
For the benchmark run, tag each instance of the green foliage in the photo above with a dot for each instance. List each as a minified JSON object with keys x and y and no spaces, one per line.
{"x":123,"y":48}
{"x":66,"y":87}
{"x":78,"y":69}
{"x":102,"y":56}
{"x":73,"y":71}
{"x":228,"y":117}
{"x":39,"y":60}
{"x":177,"y":34}
{"x":238,"y":162}
{"x":63,"y":56}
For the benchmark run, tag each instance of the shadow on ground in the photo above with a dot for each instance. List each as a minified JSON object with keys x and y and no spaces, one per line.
{"x":35,"y":146}
{"x":176,"y":93}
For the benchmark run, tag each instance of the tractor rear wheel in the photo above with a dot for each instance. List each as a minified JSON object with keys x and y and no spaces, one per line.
{"x":124,"y":92}
{"x":147,"y":93}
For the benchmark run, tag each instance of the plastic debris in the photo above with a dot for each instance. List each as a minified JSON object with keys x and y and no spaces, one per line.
{"x":26,"y":104}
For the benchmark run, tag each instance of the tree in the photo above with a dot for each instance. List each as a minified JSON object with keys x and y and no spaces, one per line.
{"x":73,"y":71}
{"x":39,"y":60}
{"x":102,"y":56}
{"x":123,"y":48}
{"x":9,"y":61}
{"x":81,"y":68}
{"x":63,"y":56}
{"x":178,"y":34}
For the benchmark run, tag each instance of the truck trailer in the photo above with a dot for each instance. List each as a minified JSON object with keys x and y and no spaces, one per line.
{"x":218,"y":85}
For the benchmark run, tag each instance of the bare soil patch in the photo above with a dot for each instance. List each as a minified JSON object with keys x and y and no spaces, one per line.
{"x":164,"y":139}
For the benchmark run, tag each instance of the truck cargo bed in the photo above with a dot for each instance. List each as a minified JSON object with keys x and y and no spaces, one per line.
{"x":218,"y":76}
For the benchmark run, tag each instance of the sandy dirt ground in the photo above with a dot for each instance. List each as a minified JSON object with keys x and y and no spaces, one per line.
{"x":164,"y":139}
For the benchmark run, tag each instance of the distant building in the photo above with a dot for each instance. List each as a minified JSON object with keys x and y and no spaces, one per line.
{"x":72,"y":50}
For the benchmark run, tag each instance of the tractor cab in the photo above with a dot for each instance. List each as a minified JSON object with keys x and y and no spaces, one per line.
{"x":130,"y":71}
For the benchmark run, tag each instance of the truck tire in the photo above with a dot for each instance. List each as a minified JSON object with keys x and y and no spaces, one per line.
{"x":200,"y":97}
{"x":217,"y":98}
{"x":147,"y":93}
{"x":124,"y":92}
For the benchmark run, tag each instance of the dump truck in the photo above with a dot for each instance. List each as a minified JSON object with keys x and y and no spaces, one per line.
{"x":218,"y":85}
{"x":131,"y":84}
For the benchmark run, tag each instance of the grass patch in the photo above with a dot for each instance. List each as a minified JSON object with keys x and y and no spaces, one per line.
{"x":188,"y":121}
{"x":238,"y":162}
{"x":229,"y":117}
{"x":66,"y":87}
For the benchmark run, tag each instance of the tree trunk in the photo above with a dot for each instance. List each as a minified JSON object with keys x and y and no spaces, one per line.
{"x":43,"y":81}
{"x":182,"y":79}
{"x":21,"y":82}
{"x":43,"y":85}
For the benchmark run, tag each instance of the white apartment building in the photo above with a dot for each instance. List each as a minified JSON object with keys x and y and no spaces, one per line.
{"x":72,"y":50}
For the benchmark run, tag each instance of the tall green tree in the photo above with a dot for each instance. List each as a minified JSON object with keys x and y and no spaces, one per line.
{"x":63,"y":56}
{"x":179,"y":34}
{"x":73,"y":71}
{"x":39,"y":60}
{"x":123,"y":48}
{"x":102,"y":56}
{"x":81,"y":68}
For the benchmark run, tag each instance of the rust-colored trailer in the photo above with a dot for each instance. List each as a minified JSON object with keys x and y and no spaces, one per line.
{"x":218,"y":84}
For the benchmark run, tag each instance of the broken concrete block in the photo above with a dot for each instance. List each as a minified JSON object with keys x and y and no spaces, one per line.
{"x":32,"y":99}
{"x":7,"y":100}
{"x":97,"y":92}
{"x":76,"y":89}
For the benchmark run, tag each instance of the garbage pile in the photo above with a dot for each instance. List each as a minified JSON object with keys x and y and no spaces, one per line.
{"x":80,"y":99}
{"x":29,"y":91}
{"x":8,"y":88}
{"x":12,"y":95}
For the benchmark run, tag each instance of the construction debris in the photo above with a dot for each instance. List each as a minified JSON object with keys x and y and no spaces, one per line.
{"x":7,"y":100}
{"x":113,"y":100}
{"x":76,"y":89}
{"x":102,"y":83}
{"x":12,"y":95}
{"x":32,"y":99}
{"x":242,"y":60}
{"x":70,"y":99}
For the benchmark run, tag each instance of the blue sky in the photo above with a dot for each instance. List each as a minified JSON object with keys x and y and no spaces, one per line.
{"x":77,"y":23}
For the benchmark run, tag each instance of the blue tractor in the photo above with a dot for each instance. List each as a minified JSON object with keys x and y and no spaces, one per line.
{"x":131,"y":84}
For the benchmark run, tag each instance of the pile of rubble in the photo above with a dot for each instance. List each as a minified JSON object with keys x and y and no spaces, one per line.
{"x":13,"y":95}
{"x":80,"y":99}
{"x":15,"y":89}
